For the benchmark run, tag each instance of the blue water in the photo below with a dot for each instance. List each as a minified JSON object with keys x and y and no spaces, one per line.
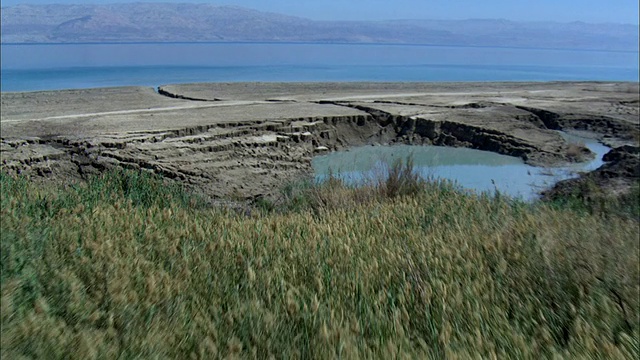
{"x":479,"y":171}
{"x":61,"y":66}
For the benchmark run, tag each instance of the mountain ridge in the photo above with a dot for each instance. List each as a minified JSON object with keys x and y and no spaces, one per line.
{"x":171,"y":22}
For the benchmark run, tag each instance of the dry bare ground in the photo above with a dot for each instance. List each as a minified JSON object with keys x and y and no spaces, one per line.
{"x":247,"y":139}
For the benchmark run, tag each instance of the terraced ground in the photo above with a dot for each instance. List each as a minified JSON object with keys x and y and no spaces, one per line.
{"x":247,"y":139}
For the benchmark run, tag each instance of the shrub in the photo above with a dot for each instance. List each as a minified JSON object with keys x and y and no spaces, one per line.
{"x":401,"y":180}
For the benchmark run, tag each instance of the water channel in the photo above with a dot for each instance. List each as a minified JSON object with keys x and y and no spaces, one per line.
{"x":476,"y":170}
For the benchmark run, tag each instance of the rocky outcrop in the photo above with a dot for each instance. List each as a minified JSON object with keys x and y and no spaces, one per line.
{"x":421,"y":130}
{"x":617,"y":176}
{"x":600,"y":124}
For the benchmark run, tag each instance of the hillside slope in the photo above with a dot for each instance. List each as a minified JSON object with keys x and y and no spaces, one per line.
{"x":148,"y":22}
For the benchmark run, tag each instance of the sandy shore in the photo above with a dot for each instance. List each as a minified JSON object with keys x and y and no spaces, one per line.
{"x":246,"y":139}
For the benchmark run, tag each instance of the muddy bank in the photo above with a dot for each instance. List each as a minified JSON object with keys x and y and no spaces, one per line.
{"x":616,"y":177}
{"x":246,"y":139}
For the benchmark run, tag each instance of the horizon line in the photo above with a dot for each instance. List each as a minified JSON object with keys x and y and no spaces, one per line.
{"x":325,"y":20}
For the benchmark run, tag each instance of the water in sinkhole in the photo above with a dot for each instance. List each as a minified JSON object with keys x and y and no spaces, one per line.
{"x":480,"y":171}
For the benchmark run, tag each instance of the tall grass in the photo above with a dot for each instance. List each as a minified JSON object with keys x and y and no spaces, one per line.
{"x":128,"y":266}
{"x":399,"y":179}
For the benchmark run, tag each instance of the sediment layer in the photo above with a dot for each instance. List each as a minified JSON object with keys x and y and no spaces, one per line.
{"x":247,"y":139}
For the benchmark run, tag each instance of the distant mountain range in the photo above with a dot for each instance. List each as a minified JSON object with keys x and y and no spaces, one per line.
{"x":153,"y":22}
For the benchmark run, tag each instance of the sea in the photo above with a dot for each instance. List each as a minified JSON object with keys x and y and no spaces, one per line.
{"x":34,"y":67}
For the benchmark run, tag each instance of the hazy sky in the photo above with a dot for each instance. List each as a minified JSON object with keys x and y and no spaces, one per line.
{"x":618,"y":11}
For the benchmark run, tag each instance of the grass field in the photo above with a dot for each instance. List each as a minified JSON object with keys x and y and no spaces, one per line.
{"x":129,"y":266}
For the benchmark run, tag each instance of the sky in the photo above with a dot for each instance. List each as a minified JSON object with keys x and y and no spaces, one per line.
{"x":592,"y":11}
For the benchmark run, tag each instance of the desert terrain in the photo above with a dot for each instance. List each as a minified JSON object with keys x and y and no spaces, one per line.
{"x":247,"y":139}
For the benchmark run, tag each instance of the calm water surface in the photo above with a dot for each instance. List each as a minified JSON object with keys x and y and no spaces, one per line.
{"x":480,"y":171}
{"x":60,"y":66}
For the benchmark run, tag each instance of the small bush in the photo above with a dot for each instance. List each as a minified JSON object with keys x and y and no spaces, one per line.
{"x":577,"y":151}
{"x":401,"y":180}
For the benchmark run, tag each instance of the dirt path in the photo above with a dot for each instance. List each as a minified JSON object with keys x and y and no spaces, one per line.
{"x":137,"y":111}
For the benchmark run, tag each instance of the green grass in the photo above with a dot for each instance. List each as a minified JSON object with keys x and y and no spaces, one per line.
{"x":588,"y":197}
{"x":130,"y":266}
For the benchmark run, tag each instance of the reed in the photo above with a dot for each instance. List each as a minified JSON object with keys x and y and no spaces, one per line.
{"x":129,"y":266}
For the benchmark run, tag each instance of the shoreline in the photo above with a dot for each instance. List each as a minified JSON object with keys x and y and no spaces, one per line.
{"x":247,"y":138}
{"x":319,"y":43}
{"x":408,"y":84}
